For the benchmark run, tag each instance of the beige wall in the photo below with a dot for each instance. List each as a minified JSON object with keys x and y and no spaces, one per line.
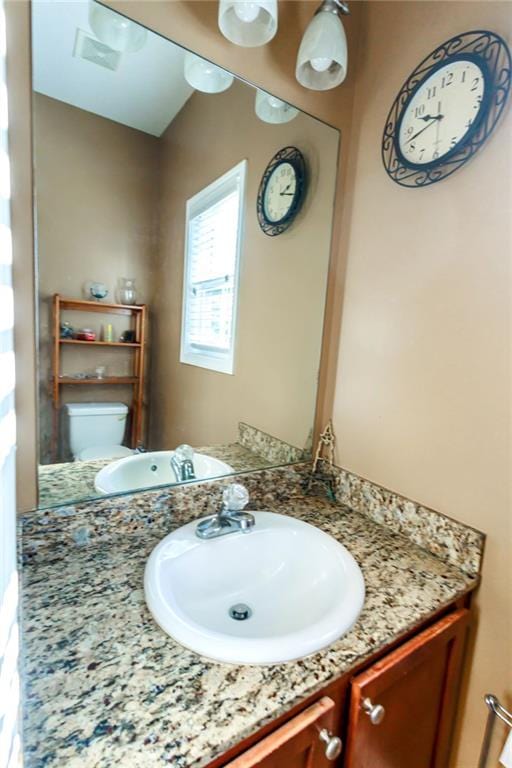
{"x":282,"y":279}
{"x":194,"y":24}
{"x":97,"y":219}
{"x":423,"y":386}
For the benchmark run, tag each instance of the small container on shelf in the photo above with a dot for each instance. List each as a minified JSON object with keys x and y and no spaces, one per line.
{"x":127,"y":291}
{"x":86,"y":334}
{"x":128,"y":337}
{"x":66,"y":330}
{"x":96,"y":291}
{"x":107,"y":332}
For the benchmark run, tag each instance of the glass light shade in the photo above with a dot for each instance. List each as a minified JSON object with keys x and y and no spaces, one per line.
{"x":114,"y":30}
{"x":270,"y":109}
{"x":322,"y":57}
{"x":248,"y":23}
{"x":205,"y":76}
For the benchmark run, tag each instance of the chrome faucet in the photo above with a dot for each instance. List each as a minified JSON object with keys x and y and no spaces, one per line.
{"x":230,"y":517}
{"x":182,"y":463}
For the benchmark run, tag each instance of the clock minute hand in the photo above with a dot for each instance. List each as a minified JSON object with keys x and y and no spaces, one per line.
{"x":432,"y":121}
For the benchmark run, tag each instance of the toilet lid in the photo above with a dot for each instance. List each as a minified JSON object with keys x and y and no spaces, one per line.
{"x":104,"y":452}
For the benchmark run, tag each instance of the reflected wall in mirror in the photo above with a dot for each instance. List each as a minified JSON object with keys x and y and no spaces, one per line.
{"x":167,"y":316}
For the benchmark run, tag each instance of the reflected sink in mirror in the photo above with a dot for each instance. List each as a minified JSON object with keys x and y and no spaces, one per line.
{"x":280,"y":592}
{"x":146,"y":470}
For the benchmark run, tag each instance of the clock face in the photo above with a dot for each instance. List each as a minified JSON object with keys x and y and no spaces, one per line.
{"x":280,"y":192}
{"x":441,"y":112}
{"x":447,"y":108}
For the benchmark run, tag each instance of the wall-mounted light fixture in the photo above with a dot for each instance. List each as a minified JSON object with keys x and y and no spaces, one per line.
{"x":248,"y":23}
{"x":322,"y":57}
{"x":270,"y":109}
{"x":205,"y":76}
{"x":116,"y":31}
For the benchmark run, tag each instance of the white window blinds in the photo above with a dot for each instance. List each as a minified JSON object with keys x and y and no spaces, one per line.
{"x":214,"y":219}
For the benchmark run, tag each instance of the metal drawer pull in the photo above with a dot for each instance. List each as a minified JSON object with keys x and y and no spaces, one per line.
{"x":375,"y":712}
{"x":333,"y":744}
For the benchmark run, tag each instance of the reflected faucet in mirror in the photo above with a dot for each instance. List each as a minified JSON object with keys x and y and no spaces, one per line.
{"x":182,"y":463}
{"x":225,"y":231}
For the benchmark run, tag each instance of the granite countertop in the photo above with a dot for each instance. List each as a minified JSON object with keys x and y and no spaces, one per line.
{"x":104,"y":686}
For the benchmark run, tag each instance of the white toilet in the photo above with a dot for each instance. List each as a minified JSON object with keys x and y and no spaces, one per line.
{"x":96,"y":430}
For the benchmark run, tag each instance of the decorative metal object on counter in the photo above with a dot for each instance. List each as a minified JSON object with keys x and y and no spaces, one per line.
{"x":326,"y":444}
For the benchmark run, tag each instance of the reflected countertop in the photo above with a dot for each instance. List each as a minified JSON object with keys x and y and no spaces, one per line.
{"x":69,"y":481}
{"x":104,"y":686}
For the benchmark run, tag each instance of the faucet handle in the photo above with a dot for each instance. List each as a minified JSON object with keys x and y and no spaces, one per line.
{"x":235,"y":497}
{"x":184,"y":452}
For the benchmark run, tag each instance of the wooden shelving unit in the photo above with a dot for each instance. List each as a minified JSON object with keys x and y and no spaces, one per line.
{"x":138,"y":313}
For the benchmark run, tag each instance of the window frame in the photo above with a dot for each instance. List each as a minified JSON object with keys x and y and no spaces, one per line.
{"x":201,"y":201}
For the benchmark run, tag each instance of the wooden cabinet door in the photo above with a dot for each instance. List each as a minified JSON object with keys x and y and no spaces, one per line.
{"x":417,"y":686}
{"x":296,"y":744}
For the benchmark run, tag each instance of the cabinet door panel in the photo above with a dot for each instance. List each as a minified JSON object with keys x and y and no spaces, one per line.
{"x":417,"y":686}
{"x":296,"y":744}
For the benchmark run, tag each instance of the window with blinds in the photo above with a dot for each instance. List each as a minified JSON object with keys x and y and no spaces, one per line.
{"x":214,"y":223}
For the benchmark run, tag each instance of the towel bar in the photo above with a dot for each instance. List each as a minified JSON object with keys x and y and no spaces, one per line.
{"x":496,"y":710}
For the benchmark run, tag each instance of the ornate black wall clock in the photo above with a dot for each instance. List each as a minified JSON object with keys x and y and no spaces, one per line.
{"x":282,"y":191}
{"x":447,"y":108}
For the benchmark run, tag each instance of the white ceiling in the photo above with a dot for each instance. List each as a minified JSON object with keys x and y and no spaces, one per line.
{"x":146,"y":92}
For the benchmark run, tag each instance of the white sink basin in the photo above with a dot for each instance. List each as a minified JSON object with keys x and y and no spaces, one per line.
{"x":303,"y":590}
{"x":145,"y":470}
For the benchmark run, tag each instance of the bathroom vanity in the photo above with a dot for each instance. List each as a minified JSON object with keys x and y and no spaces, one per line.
{"x":400,"y":705}
{"x":104,"y":685}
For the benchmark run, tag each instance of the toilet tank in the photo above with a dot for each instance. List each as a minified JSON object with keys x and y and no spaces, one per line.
{"x":95,"y":424}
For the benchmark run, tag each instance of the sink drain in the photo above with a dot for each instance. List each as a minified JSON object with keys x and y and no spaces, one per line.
{"x":240,"y":612}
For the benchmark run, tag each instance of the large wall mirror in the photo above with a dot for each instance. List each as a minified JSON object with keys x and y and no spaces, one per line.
{"x":183,"y":230}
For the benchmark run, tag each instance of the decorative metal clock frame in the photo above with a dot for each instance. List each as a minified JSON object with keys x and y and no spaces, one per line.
{"x":295,"y":158}
{"x":491,"y":54}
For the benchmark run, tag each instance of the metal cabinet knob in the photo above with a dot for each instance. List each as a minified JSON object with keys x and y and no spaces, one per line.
{"x":333,"y":744}
{"x":375,"y":712}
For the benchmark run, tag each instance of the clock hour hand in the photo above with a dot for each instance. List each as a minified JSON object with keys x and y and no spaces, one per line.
{"x":431,"y":117}
{"x":432,"y":121}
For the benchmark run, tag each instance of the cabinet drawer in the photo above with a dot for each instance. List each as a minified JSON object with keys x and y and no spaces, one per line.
{"x":402,"y":708}
{"x":297,"y":744}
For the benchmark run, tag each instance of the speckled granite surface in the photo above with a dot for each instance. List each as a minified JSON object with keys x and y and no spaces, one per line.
{"x":453,"y":542}
{"x":272,"y":448}
{"x":104,"y":686}
{"x":74,"y":481}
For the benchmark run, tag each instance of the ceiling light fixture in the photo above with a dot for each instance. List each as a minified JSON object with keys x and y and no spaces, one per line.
{"x":248,"y":23}
{"x":322,"y":57}
{"x":270,"y":109}
{"x":205,"y":76}
{"x":116,"y":31}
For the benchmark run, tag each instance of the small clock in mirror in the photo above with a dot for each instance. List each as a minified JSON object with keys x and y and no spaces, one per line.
{"x":282,"y":191}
